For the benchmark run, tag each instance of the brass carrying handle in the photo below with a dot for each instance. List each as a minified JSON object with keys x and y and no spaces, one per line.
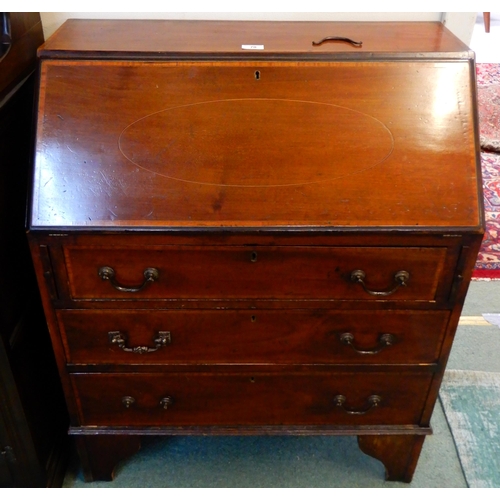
{"x":372,"y":402}
{"x":162,"y":339}
{"x":385,"y":340}
{"x":338,"y":39}
{"x":401,"y":278}
{"x":107,"y":273}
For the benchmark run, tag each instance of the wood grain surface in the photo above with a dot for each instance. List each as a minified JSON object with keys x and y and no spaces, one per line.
{"x":160,"y":38}
{"x":134,"y":144}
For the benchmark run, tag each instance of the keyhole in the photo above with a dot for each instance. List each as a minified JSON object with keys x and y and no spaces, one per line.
{"x":128,"y":401}
{"x":253,"y":319}
{"x":257,"y":75}
{"x":253,"y":257}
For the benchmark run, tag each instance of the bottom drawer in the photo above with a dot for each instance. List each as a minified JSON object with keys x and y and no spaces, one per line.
{"x":126,"y":399}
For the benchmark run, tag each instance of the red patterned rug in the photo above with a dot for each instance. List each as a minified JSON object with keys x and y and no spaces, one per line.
{"x":488,"y":95}
{"x":488,"y":85}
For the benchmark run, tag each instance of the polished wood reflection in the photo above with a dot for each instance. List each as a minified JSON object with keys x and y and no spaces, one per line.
{"x":206,"y":144}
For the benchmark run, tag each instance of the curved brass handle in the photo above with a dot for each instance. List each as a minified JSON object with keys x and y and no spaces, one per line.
{"x":338,"y":39}
{"x":107,"y":273}
{"x":166,"y":402}
{"x":401,"y":278}
{"x":372,"y":402}
{"x":385,"y":340}
{"x":161,"y":339}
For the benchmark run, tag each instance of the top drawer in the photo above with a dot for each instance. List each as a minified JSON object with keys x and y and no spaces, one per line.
{"x":245,"y":272}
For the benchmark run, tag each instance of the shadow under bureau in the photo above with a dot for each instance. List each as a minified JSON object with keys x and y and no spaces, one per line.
{"x":237,"y":231}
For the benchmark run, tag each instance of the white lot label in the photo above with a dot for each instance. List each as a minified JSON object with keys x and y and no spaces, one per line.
{"x":252,"y":47}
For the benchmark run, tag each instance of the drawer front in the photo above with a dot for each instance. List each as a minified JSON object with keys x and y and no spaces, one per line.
{"x":249,"y":336}
{"x":177,"y":272}
{"x":263,"y":399}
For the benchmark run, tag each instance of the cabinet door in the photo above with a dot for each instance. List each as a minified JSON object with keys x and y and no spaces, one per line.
{"x":19,"y":464}
{"x":6,"y":479}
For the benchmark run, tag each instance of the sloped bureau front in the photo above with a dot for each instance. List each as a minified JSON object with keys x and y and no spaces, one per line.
{"x":239,"y":242}
{"x":304,"y":144}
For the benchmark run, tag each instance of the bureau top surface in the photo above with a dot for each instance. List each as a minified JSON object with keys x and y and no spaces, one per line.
{"x":128,"y":141}
{"x":249,"y":39}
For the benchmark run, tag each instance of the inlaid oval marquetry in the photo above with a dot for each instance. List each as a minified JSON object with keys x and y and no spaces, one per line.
{"x":256,"y":142}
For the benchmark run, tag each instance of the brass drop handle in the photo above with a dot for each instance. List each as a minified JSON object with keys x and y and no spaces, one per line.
{"x":338,"y":39}
{"x":128,"y":401}
{"x":162,"y":339}
{"x":401,"y":278}
{"x":372,"y":402}
{"x":385,"y":340}
{"x":166,"y":402}
{"x":107,"y":273}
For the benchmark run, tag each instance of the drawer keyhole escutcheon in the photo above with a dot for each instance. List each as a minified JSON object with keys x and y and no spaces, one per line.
{"x":372,"y":402}
{"x":253,"y":257}
{"x":166,"y":402}
{"x":401,"y":278}
{"x":162,"y":339}
{"x":385,"y":340}
{"x":107,"y":273}
{"x":128,"y":401}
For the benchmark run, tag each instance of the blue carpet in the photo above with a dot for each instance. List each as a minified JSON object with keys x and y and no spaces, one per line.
{"x":274,"y":462}
{"x":471,"y":402}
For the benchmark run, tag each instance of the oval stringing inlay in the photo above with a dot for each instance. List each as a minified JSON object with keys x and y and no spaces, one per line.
{"x":256,"y":142}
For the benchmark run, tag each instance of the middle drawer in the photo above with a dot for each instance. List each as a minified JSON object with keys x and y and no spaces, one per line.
{"x":247,"y":336}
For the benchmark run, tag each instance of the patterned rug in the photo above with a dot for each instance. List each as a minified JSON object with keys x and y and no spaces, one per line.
{"x":488,"y":85}
{"x":471,"y":402}
{"x":488,"y":261}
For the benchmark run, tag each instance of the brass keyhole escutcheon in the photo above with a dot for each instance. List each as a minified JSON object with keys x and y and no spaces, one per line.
{"x":128,"y":401}
{"x":166,"y":402}
{"x":253,"y":257}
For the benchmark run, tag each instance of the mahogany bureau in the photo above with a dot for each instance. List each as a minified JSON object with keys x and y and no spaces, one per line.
{"x":242,"y":228}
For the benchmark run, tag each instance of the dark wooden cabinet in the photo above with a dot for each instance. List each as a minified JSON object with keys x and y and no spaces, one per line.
{"x":233,"y":238}
{"x":33,"y":417}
